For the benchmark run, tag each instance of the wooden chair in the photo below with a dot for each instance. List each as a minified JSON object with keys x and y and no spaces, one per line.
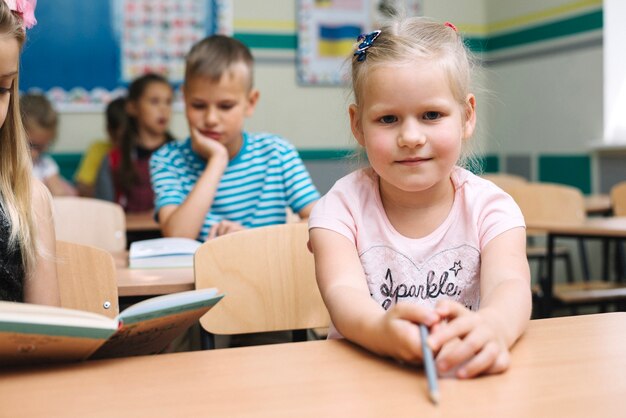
{"x":505,"y":181}
{"x":618,"y":199}
{"x":618,"y":203}
{"x":535,"y":209}
{"x":556,"y":203}
{"x":89,"y":221}
{"x":87,"y":279}
{"x":268,"y":276}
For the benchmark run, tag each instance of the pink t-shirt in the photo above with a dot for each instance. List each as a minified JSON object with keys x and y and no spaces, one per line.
{"x":443,"y":264}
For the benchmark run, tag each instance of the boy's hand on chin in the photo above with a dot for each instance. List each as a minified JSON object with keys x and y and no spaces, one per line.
{"x":207,"y":147}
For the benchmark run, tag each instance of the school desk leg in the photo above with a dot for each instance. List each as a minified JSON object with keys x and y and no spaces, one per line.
{"x":207,"y":340}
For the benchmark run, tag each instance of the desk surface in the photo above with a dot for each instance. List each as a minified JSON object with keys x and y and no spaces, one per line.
{"x":139,"y":222}
{"x":572,"y":367}
{"x":147,"y":282}
{"x":614,"y":226}
{"x":598,"y":204}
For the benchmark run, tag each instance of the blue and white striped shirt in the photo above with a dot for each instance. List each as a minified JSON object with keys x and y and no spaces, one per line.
{"x":265,"y":177}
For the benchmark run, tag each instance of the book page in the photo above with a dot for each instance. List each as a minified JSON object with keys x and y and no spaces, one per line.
{"x":149,"y":337}
{"x":28,"y":349}
{"x":169,"y":304}
{"x":32,"y":334}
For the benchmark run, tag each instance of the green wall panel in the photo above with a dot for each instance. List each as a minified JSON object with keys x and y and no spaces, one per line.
{"x":573,"y":170}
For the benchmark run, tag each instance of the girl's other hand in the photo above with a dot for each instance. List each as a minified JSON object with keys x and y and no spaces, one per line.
{"x":399,"y":333}
{"x":468,"y":341}
{"x":207,"y":147}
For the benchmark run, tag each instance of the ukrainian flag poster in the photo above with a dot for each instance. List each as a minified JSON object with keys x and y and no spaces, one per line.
{"x":328,"y":32}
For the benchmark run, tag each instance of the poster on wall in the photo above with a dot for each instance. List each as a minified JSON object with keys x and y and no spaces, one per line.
{"x":91,"y":53}
{"x":155,"y":35}
{"x":328,"y":30}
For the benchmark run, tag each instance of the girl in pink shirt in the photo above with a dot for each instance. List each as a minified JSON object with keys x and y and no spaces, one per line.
{"x":415,"y":238}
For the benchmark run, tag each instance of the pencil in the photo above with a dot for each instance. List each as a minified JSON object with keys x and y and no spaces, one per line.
{"x":429,"y":366}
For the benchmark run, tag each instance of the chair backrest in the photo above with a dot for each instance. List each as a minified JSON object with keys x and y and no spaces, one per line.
{"x":89,"y":221}
{"x":268,"y":276}
{"x":618,"y":199}
{"x":87,"y":279}
{"x":549,"y":202}
{"x":505,"y":181}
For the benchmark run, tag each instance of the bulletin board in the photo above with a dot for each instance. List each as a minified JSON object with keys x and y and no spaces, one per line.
{"x":81,"y":54}
{"x":328,"y":30}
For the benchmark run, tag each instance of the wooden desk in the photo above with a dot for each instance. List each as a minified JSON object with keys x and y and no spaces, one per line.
{"x":599,"y":228}
{"x":570,"y":367}
{"x":150,"y":282}
{"x":598,"y":204}
{"x":137,"y":222}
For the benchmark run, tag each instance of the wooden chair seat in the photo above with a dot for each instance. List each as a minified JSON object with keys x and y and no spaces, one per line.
{"x":268,"y":276}
{"x":87,"y":279}
{"x":92,"y":222}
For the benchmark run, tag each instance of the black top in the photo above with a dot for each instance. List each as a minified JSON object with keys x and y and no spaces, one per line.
{"x":11,"y":267}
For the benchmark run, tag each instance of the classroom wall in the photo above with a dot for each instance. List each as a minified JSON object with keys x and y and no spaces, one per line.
{"x":311,"y":117}
{"x":539,"y":95}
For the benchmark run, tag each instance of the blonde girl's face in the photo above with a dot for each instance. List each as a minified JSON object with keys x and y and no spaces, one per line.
{"x":411,"y":126}
{"x":153,"y":109}
{"x":9,"y":62}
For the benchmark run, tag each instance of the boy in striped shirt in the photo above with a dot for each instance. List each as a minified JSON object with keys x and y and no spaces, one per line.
{"x":222,"y":179}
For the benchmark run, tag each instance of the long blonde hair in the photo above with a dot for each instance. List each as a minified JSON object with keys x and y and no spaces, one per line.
{"x":15,"y":162}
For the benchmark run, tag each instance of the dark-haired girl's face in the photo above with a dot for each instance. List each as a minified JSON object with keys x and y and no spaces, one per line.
{"x":9,"y":61}
{"x":153,"y":109}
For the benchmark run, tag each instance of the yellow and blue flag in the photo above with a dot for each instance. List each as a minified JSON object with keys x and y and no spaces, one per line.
{"x":337,"y":41}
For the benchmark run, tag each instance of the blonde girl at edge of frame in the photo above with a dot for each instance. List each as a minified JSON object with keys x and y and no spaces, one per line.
{"x":27,"y":240}
{"x":416,"y":238}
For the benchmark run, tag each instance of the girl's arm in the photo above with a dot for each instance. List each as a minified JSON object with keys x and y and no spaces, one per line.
{"x":41,"y":286}
{"x":354,"y":313}
{"x":479,"y":342}
{"x":59,"y":186}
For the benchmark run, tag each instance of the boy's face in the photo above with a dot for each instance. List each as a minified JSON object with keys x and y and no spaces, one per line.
{"x":218,"y":109}
{"x":39,"y":139}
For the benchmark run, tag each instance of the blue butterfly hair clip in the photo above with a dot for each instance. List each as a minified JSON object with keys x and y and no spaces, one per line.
{"x":366,"y":40}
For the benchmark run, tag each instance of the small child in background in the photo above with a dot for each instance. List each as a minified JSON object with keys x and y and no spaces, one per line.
{"x":27,"y":241}
{"x":89,"y":167}
{"x":415,"y":238}
{"x":223,"y":179}
{"x":41,"y":121}
{"x":124,"y":176}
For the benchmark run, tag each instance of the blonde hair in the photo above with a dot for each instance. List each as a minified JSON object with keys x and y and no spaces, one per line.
{"x":405,"y":40}
{"x":215,"y":55}
{"x":15,"y":162}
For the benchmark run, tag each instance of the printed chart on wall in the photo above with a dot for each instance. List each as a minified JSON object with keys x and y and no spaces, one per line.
{"x":92,"y":50}
{"x":328,"y":30}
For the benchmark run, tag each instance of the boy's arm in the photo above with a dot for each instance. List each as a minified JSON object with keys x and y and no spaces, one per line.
{"x":187,"y":219}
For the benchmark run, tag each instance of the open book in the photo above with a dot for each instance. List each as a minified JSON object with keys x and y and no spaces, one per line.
{"x":31,"y":334}
{"x":162,"y":253}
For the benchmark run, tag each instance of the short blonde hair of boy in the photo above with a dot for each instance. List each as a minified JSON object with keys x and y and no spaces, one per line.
{"x":15,"y":162}
{"x":215,"y":55}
